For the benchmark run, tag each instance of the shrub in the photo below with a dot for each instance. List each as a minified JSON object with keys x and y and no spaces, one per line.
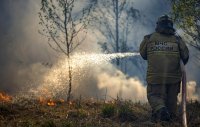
{"x":125,"y":112}
{"x":48,"y":123}
{"x":67,"y":124}
{"x":108,"y":110}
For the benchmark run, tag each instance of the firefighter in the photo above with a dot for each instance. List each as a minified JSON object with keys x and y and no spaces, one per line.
{"x":163,"y":50}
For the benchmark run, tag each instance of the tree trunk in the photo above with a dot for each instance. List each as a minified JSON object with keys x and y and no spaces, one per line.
{"x":69,"y":79}
{"x":117,"y":28}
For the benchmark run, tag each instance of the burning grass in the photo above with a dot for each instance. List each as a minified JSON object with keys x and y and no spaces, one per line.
{"x":4,"y":97}
{"x":83,"y":112}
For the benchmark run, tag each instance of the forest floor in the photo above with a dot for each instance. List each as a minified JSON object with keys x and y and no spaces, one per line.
{"x":86,"y":113}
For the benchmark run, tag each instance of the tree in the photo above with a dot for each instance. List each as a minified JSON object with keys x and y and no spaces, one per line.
{"x":61,"y":24}
{"x":186,"y":13}
{"x":114,"y":17}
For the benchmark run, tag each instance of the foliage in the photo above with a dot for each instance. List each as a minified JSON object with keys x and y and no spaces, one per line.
{"x":108,"y":110}
{"x":49,"y":123}
{"x":186,"y":13}
{"x":125,"y":112}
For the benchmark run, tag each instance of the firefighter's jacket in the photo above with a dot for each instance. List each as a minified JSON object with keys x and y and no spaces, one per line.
{"x":163,"y":54}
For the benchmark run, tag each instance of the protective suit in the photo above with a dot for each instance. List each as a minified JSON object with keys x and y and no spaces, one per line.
{"x":163,"y":51}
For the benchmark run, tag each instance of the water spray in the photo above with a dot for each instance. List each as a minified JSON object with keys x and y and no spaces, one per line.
{"x":99,"y":57}
{"x":54,"y":81}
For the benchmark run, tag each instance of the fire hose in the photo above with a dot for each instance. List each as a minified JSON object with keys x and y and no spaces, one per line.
{"x":184,"y":95}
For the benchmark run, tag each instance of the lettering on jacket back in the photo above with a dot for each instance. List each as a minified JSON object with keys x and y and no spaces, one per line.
{"x":163,"y":46}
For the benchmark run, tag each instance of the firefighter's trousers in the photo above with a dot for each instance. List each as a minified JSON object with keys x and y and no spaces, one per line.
{"x":163,"y":95}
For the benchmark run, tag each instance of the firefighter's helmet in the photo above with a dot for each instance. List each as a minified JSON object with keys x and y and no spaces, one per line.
{"x":165,"y":22}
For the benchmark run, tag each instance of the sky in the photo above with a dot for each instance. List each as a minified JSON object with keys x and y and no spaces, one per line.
{"x":25,"y":54}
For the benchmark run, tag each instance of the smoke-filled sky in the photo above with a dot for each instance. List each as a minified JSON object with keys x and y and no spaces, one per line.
{"x":25,"y":54}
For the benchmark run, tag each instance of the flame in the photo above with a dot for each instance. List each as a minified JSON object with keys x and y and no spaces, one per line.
{"x":4,"y":97}
{"x":51,"y":103}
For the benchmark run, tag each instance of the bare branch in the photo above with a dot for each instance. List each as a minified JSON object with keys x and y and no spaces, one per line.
{"x":54,"y":39}
{"x":54,"y":48}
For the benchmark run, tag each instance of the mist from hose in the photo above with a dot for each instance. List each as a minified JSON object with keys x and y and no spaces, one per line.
{"x":27,"y":60}
{"x":55,"y":79}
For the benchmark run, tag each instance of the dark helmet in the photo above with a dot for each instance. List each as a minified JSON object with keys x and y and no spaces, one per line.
{"x":165,"y":24}
{"x":165,"y":21}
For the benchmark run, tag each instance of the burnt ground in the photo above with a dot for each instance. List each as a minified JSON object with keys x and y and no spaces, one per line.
{"x":86,"y":113}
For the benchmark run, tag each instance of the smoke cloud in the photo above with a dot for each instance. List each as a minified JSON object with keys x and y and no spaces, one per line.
{"x":118,"y":85}
{"x":28,"y":63}
{"x":20,"y":44}
{"x":193,"y":91}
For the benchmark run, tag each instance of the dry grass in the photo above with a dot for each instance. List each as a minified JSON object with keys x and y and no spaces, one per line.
{"x":87,"y":113}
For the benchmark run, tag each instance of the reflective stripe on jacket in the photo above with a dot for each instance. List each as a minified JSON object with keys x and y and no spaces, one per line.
{"x":163,"y":54}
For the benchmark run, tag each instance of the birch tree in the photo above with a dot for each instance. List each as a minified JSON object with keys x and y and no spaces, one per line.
{"x":115,"y":20}
{"x":61,"y":24}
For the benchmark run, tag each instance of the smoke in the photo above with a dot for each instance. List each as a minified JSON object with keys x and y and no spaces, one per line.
{"x":21,"y":45}
{"x":118,"y":85}
{"x":193,"y":92}
{"x":85,"y":73}
{"x":28,"y":63}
